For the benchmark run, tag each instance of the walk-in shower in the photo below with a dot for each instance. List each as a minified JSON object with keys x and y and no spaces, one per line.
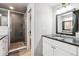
{"x":17,"y":38}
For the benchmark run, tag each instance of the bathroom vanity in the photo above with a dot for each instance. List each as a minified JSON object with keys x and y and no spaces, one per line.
{"x":64,"y":42}
{"x":3,"y":45}
{"x":55,"y":45}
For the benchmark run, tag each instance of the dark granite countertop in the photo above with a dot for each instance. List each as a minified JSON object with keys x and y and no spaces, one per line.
{"x":66,"y":39}
{"x":2,"y":36}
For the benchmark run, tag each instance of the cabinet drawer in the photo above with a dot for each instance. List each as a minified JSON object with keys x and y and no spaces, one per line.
{"x":66,"y":47}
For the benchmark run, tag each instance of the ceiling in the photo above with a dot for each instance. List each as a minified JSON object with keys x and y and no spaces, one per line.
{"x":21,"y":7}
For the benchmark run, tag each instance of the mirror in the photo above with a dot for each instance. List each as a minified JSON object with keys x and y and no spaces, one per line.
{"x":3,"y":18}
{"x":65,"y":23}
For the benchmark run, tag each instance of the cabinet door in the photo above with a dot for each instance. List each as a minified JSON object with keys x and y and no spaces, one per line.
{"x":66,"y":47}
{"x":5,"y":46}
{"x":61,"y":52}
{"x":78,"y":51}
{"x":1,"y":47}
{"x":47,"y":48}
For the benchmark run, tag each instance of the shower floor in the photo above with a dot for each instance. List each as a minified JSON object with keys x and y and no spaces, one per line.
{"x":19,"y":52}
{"x":16,"y":45}
{"x":22,"y":52}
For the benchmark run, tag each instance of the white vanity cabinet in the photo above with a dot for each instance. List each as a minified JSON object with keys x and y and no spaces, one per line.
{"x":4,"y":46}
{"x":64,"y":49}
{"x":47,"y":48}
{"x":52,"y":47}
{"x":61,"y":52}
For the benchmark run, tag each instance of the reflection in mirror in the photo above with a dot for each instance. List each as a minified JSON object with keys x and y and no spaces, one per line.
{"x":65,"y":23}
{"x":3,"y":22}
{"x":3,"y":18}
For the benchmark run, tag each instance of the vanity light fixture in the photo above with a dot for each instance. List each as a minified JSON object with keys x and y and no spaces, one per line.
{"x":11,"y":7}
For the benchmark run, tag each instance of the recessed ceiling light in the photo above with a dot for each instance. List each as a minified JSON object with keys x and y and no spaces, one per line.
{"x":11,"y":7}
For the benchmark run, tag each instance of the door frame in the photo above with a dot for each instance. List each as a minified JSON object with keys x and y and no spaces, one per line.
{"x":9,"y":25}
{"x":28,"y":36}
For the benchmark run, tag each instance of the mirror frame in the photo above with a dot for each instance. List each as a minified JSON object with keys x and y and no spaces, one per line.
{"x":73,"y":32}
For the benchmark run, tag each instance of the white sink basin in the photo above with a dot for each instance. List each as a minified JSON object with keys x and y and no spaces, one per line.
{"x":60,"y":38}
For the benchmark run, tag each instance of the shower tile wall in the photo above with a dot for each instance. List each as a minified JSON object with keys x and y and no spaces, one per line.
{"x":17,"y":23}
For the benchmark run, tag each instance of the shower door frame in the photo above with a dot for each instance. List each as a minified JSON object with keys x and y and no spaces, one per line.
{"x":10,"y":30}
